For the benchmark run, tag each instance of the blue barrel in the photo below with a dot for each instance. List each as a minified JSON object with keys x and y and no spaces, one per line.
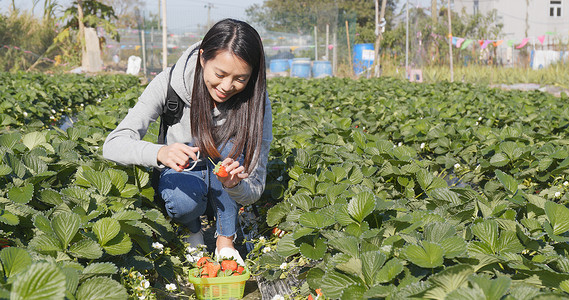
{"x":300,"y":68}
{"x":279,"y":65}
{"x":363,"y":57}
{"x":321,"y":68}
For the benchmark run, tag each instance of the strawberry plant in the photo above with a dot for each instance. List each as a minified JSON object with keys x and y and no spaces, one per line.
{"x":395,"y":190}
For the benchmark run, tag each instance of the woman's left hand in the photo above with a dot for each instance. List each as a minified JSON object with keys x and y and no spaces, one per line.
{"x":236,"y":173}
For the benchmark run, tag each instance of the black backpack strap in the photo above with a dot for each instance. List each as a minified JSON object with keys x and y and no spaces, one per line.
{"x":172,"y":110}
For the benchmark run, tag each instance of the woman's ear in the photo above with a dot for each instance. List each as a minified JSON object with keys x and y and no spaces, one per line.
{"x":201,"y":58}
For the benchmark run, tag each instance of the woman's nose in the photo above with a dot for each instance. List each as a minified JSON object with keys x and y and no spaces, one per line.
{"x":226,"y":85}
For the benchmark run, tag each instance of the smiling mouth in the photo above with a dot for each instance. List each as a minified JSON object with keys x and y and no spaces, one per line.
{"x":220,"y":94}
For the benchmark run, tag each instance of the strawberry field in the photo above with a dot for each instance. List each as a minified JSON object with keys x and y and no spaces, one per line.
{"x":383,"y":189}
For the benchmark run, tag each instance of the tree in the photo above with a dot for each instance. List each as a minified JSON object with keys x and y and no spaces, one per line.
{"x":300,"y":16}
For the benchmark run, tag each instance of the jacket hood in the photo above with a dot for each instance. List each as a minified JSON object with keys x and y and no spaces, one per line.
{"x":183,"y":75}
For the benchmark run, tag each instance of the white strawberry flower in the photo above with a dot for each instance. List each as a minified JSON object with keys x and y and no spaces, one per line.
{"x":25,"y":114}
{"x":278,"y":297}
{"x":157,"y":246}
{"x":267,"y":249}
{"x":283,"y":266}
{"x":480,"y":119}
{"x":53,"y":111}
{"x":400,"y":144}
{"x":566,"y":183}
{"x":457,"y":165}
{"x":170,"y":287}
{"x":422,"y":145}
{"x":557,"y":194}
{"x":145,"y":284}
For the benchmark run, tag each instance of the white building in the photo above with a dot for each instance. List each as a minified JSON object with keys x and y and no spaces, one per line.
{"x":524,"y":18}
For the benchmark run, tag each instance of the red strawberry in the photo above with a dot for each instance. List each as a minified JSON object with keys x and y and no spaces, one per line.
{"x":240,"y":270}
{"x":229,"y":264}
{"x":203,"y":261}
{"x":219,"y":170}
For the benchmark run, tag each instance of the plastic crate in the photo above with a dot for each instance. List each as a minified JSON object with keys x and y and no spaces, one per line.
{"x":215,"y":288}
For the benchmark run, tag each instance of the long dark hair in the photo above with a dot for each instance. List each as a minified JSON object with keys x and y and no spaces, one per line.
{"x":244,"y":111}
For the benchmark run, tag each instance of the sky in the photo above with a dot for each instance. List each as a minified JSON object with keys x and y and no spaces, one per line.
{"x":182,"y":15}
{"x":189,"y":15}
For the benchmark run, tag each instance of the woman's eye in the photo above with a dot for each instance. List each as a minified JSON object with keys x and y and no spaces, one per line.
{"x":218,"y":75}
{"x":241,"y":80}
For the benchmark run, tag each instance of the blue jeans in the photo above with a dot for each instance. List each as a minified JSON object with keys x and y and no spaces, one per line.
{"x":186,"y":194}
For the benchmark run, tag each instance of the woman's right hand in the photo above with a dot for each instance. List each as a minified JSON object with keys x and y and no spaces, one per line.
{"x":176,"y":156}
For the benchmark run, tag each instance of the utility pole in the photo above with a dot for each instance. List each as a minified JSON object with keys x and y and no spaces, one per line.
{"x":164,"y":37}
{"x":407,"y":40}
{"x":209,"y":6}
{"x":450,"y":41}
{"x":315,"y":43}
{"x":434,"y":12}
{"x":379,"y":29}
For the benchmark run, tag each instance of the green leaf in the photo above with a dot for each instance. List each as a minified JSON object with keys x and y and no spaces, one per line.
{"x":493,"y":289}
{"x":42,"y":223}
{"x":86,"y":248}
{"x":315,"y":252}
{"x":424,"y":178}
{"x":286,"y":246}
{"x":71,"y":279}
{"x":120,"y":245}
{"x":389,"y":271}
{"x":487,"y":232}
{"x":499,"y":160}
{"x":316,"y":220}
{"x":40,"y":281}
{"x":371,"y":262}
{"x":127,"y":215}
{"x":507,"y":181}
{"x":558,"y":216}
{"x":118,"y":178}
{"x":104,"y":268}
{"x":34,"y":139}
{"x":454,"y":246}
{"x":5,"y":170}
{"x":9,"y":140}
{"x":65,"y":225}
{"x":347,"y":244}
{"x":301,"y":201}
{"x":14,"y":260}
{"x":106,"y":229}
{"x":101,"y":288}
{"x":8,"y":218}
{"x":46,"y":243}
{"x":429,"y":255}
{"x":21,"y":195}
{"x":100,"y":180}
{"x":379,"y":291}
{"x":308,"y":182}
{"x":361,"y":206}
{"x":353,"y":292}
{"x":142,"y":176}
{"x":448,"y":280}
{"x":334,"y":283}
{"x":445,"y":194}
{"x":276,"y":213}
{"x":50,"y":196}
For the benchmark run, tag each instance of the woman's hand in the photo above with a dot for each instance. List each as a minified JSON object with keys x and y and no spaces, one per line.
{"x":235,"y":171}
{"x":177,"y":155}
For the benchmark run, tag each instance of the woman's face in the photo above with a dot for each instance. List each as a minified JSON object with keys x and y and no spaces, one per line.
{"x":225,"y":75}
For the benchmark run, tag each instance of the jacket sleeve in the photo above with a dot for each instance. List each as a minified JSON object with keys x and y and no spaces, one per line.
{"x":249,"y":190}
{"x":124,"y":145}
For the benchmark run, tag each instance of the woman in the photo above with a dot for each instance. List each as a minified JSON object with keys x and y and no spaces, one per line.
{"x":226,"y":117}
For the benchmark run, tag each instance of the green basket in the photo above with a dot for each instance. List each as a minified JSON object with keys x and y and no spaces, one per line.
{"x":215,"y":288}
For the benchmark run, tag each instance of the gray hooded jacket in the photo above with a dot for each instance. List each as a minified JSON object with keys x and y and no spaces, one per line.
{"x":125,"y":146}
